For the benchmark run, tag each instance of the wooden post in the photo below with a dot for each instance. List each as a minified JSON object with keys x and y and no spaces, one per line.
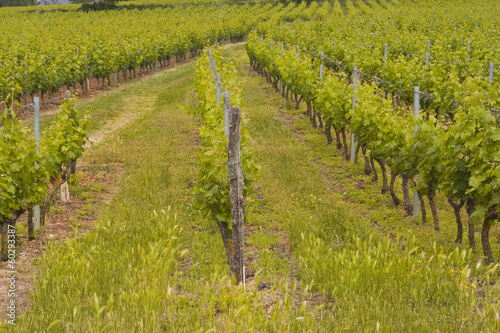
{"x":416,"y":111}
{"x":468,"y":50}
{"x":219,"y":87}
{"x":236,"y":193}
{"x":321,"y":67}
{"x":86,"y":80}
{"x":354,"y":88}
{"x":226,"y":114}
{"x":385,"y":54}
{"x":155,"y":67}
{"x":214,"y":67}
{"x":490,"y":76}
{"x":281,"y":81}
{"x":37,"y":139}
{"x":65,"y":196}
{"x":26,"y":86}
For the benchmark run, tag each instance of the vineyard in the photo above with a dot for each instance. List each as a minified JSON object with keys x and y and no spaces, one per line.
{"x":250,"y":166}
{"x":453,"y":147}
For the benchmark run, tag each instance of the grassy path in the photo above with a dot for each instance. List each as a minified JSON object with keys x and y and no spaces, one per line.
{"x":152,"y":264}
{"x":117,"y":274}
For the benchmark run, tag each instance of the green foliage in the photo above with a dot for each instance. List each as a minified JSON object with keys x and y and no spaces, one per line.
{"x":25,"y":169}
{"x":63,"y":141}
{"x":74,"y":47}
{"x":457,"y":156}
{"x":22,"y":183}
{"x":96,"y":5}
{"x":12,"y":3}
{"x":474,"y":140}
{"x":212,"y":187}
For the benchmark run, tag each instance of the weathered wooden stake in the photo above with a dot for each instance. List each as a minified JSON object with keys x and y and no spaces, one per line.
{"x":416,"y":111}
{"x":214,"y":67}
{"x":490,"y":76}
{"x":236,"y":193}
{"x":321,"y":67}
{"x":37,"y":139}
{"x":354,"y":88}
{"x":219,"y":88}
{"x":385,"y":54}
{"x":155,"y":65}
{"x":281,"y":81}
{"x":468,"y":50}
{"x":226,"y":114}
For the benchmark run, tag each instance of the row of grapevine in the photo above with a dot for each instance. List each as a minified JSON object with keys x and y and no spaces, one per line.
{"x":215,"y":78}
{"x":29,"y":174}
{"x":405,"y":50}
{"x":45,"y":51}
{"x":459,"y":157}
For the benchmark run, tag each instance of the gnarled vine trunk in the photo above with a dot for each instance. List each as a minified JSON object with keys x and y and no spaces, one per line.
{"x":431,"y":194}
{"x":375,"y":174}
{"x":368,"y":169}
{"x":31,"y":227}
{"x":394,"y":197}
{"x":328,"y":132}
{"x":358,"y":145}
{"x":485,"y":239}
{"x":422,"y":207}
{"x":308,"y":111}
{"x":385,"y":181}
{"x":406,"y":194}
{"x":227,"y":237}
{"x":456,"y":209}
{"x":471,"y":205}
{"x":344,"y":142}
{"x":297,"y":102}
{"x":337,"y":136}
{"x":8,"y":223}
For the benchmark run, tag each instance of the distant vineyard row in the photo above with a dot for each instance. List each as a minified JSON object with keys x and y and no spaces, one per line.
{"x":42,"y":51}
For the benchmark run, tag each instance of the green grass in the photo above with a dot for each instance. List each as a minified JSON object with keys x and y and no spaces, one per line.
{"x":152,"y":264}
{"x":396,"y":277}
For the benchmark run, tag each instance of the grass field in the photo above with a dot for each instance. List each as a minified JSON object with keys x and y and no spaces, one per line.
{"x":330,"y":252}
